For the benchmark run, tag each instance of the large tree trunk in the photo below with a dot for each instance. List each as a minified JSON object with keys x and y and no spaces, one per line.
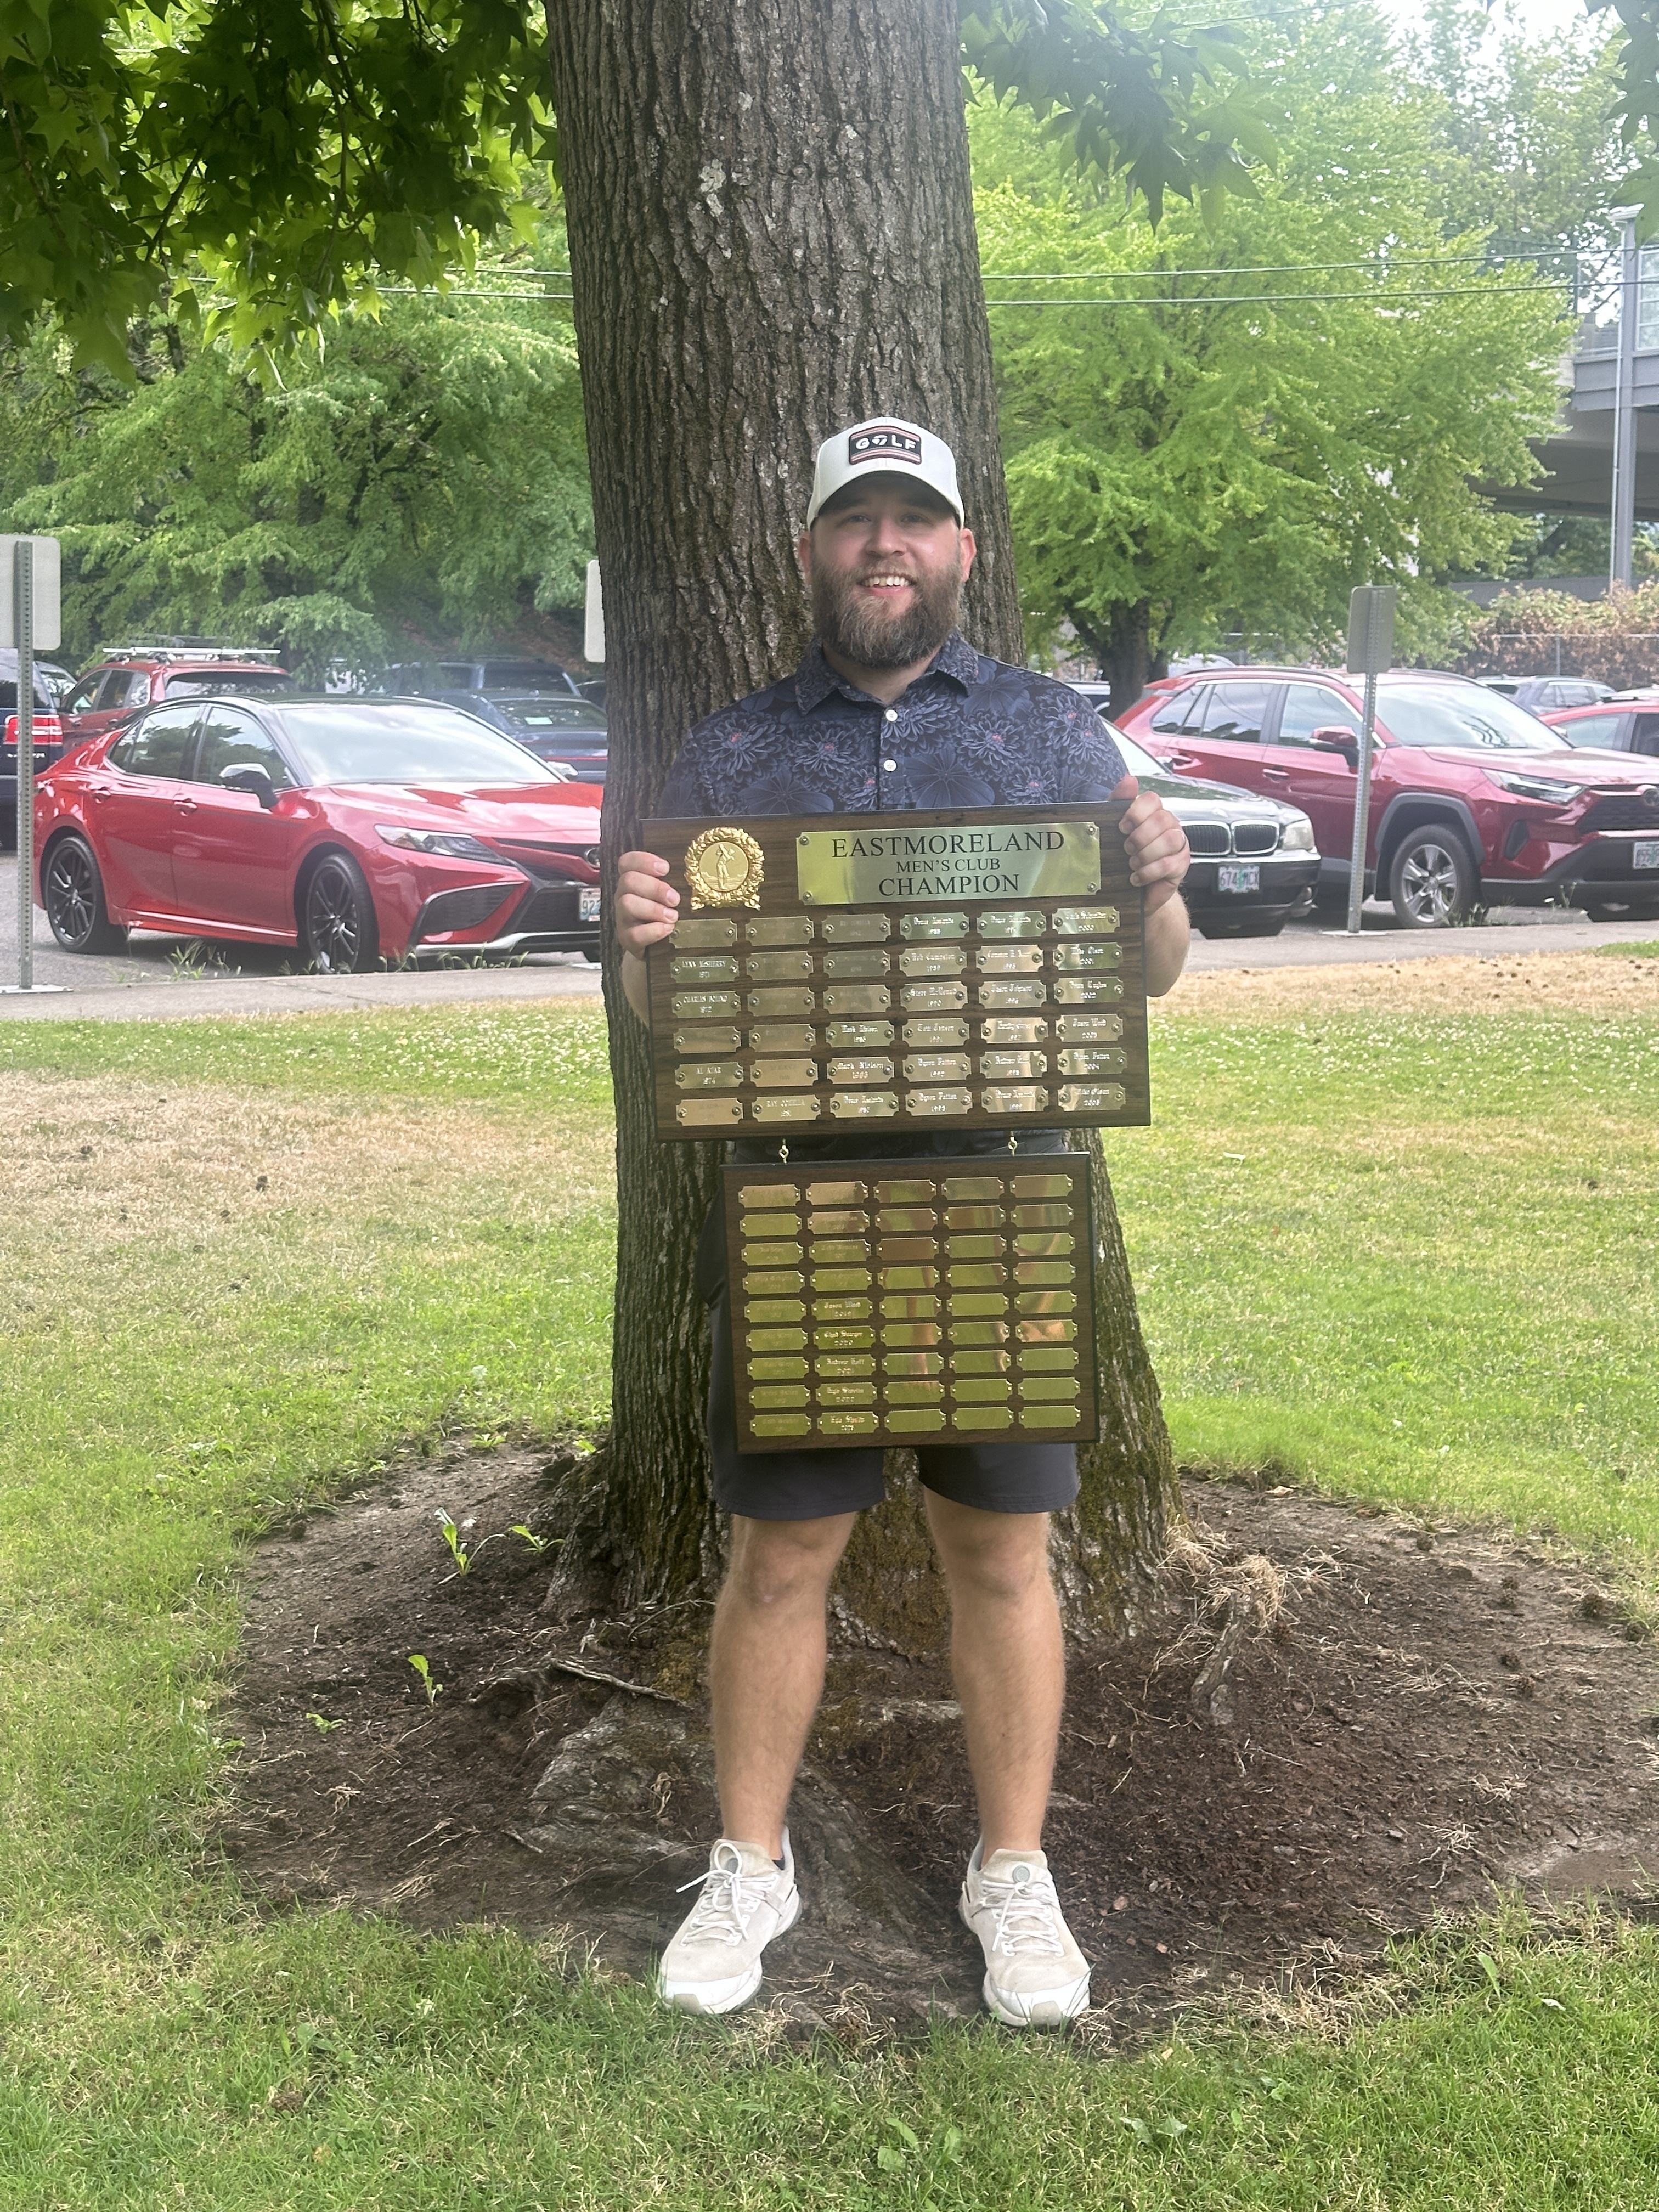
{"x":772,"y":233}
{"x":1123,"y":646}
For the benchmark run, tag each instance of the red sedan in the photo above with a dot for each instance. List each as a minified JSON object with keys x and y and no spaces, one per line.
{"x":357,"y":830}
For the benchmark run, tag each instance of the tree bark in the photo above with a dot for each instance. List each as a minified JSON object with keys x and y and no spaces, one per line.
{"x":772,"y":235}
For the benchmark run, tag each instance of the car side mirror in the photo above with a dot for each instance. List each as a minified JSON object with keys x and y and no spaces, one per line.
{"x":243,"y":775}
{"x":1337,"y":739}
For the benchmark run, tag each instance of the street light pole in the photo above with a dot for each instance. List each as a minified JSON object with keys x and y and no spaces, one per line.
{"x":1623,"y":533}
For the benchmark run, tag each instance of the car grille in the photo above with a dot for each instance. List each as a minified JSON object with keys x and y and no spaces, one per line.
{"x":461,"y":909}
{"x":1213,"y":841}
{"x":551,"y":907}
{"x":1637,"y":810}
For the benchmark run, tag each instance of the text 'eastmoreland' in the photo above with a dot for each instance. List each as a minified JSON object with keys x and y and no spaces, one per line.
{"x":989,"y":861}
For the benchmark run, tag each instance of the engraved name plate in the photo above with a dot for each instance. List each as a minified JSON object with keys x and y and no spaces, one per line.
{"x":780,"y":1002}
{"x":1009,"y":991}
{"x":856,"y":928}
{"x":694,"y":1005}
{"x":996,"y":924}
{"x":932,"y":997}
{"x":782,"y":1036}
{"x":937,"y":1067}
{"x":944,"y":1032}
{"x":709,"y":1075}
{"x":932,"y":925}
{"x":1012,"y":1098}
{"x":1087,"y":990}
{"x":860,"y":1071}
{"x":858,"y":1036}
{"x":1091,"y":1097}
{"x":1084,"y":920}
{"x":796,"y":1108}
{"x":1090,"y":958}
{"x":927,"y":1103}
{"x":1099,"y":1060}
{"x":708,"y":1040}
{"x":1012,"y":1067}
{"x":857,"y":999}
{"x":702,"y":967}
{"x":1089,"y":1028}
{"x":707,"y":1113}
{"x":1015,"y":1029}
{"x":843,"y":965}
{"x":932,"y":960}
{"x":1009,"y":959}
{"x":863,"y":1105}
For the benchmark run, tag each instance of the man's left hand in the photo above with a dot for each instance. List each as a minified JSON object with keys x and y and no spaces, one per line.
{"x":1155,"y":842}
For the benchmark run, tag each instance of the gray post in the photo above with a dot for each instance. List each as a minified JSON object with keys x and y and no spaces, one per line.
{"x":1370,"y":650}
{"x":1362,"y":806}
{"x":23,"y":601}
{"x":1624,"y":407}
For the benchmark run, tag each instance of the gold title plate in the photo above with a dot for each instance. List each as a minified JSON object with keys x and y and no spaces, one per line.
{"x":1020,"y":858}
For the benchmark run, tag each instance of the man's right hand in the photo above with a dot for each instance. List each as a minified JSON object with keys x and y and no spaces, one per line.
{"x":646,"y":906}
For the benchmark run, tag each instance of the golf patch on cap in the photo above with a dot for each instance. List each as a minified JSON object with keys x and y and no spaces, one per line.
{"x":883,"y":441}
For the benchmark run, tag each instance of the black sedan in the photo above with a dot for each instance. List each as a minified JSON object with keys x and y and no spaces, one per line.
{"x":1254,"y":861}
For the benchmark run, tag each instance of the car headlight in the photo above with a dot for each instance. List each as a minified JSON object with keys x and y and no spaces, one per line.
{"x":1536,"y":787}
{"x":454,"y":842}
{"x":1298,"y":836}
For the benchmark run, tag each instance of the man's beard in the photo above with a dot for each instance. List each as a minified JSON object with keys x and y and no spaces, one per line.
{"x":871,"y":639}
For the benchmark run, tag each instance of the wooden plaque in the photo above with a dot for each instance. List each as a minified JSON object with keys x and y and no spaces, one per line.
{"x":983,"y":967}
{"x":912,"y":1300}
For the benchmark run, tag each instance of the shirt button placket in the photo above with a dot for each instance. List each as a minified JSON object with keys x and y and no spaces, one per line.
{"x":888,"y":717}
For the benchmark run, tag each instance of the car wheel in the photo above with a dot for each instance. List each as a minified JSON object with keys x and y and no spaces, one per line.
{"x":1240,"y":925}
{"x":338,"y":933}
{"x":592,"y":954}
{"x":1431,"y":880}
{"x":72,"y":891}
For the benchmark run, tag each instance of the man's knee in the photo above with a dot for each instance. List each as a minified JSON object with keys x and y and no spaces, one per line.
{"x":782,"y":1563}
{"x":1002,"y":1558}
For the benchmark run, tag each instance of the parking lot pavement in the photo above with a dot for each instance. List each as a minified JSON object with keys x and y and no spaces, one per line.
{"x":162,"y":978}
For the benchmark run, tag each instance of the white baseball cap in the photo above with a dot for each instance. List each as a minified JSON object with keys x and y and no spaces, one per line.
{"x":885,"y":446}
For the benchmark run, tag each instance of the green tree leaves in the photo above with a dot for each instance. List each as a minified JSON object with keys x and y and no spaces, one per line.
{"x":423,"y":478}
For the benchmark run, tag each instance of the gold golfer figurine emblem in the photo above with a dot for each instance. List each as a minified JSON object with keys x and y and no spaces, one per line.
{"x":724,"y":867}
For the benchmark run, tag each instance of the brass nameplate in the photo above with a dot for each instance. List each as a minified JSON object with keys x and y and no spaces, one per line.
{"x":892,"y":862}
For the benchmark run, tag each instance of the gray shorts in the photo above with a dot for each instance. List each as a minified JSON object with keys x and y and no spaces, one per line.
{"x":809,"y":1486}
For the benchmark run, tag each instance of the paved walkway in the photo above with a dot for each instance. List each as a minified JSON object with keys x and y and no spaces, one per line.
{"x":150,"y":979}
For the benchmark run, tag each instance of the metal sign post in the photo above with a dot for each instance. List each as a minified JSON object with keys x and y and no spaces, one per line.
{"x":31,"y":612}
{"x":1370,"y":650}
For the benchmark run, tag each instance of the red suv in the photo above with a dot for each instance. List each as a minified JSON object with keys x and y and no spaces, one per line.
{"x":125,"y":678}
{"x":1472,"y":797}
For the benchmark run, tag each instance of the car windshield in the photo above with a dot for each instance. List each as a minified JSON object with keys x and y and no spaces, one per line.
{"x":553,"y":714}
{"x":407,"y":741}
{"x":1465,"y":715}
{"x":1138,"y":762}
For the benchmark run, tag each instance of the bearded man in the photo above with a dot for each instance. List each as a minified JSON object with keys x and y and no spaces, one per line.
{"x":892,"y":708}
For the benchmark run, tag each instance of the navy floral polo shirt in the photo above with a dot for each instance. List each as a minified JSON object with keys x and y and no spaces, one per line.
{"x":969,"y":732}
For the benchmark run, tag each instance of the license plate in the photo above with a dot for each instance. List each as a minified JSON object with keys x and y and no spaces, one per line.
{"x":1646,"y":855}
{"x":588,"y":904}
{"x":1238,"y":878}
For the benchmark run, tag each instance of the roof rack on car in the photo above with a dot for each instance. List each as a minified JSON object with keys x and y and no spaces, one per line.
{"x":185,"y":649}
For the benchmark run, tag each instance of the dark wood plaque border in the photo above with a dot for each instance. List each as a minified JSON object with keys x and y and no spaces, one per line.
{"x":793,"y":1177}
{"x":776,"y":836}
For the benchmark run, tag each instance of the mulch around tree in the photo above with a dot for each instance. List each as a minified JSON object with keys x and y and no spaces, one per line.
{"x":1436,"y":1711}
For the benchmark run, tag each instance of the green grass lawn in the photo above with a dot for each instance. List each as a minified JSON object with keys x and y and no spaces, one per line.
{"x":247,"y":1263}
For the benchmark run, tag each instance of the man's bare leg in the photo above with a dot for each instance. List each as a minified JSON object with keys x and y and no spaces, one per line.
{"x":766,"y":1662}
{"x":1008,"y":1660}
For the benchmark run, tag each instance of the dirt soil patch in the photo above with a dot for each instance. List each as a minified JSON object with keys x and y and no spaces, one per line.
{"x":1488,"y":981}
{"x":1436,"y":1711}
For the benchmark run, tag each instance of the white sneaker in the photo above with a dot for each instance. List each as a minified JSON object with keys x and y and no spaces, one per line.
{"x":713,"y":1963}
{"x":1034,"y":1975}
